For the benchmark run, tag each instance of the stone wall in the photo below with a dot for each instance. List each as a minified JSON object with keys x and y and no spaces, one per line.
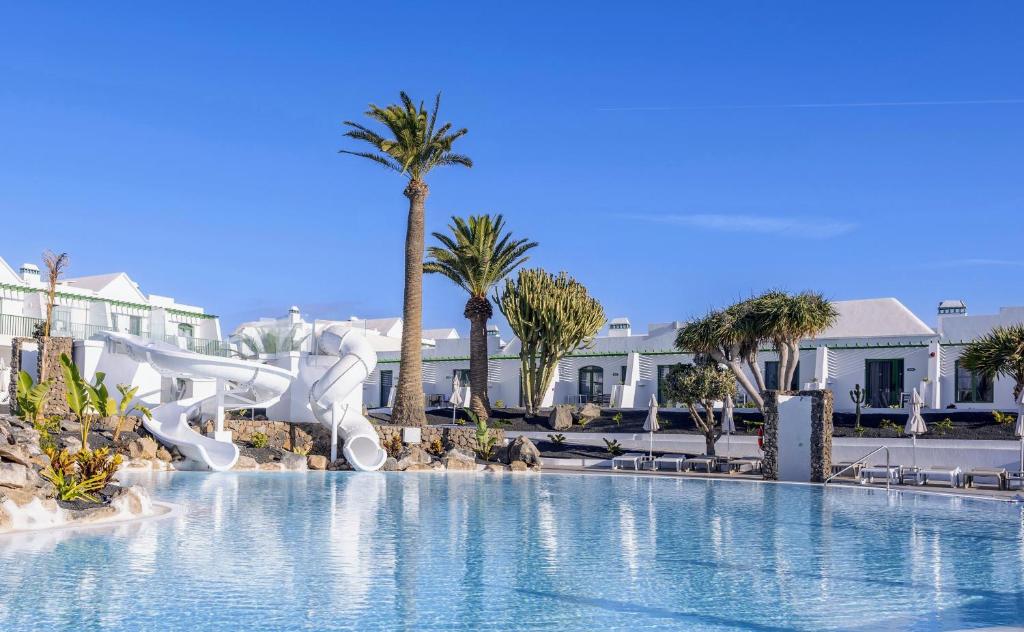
{"x":460,"y":437}
{"x":821,"y":433}
{"x":56,"y":402}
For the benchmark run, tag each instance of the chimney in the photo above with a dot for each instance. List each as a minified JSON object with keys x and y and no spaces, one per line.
{"x":952,"y":307}
{"x":30,"y":273}
{"x":293,"y":314}
{"x":492,"y":330}
{"x":619,"y":328}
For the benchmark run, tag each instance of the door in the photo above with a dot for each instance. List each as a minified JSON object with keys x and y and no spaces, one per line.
{"x":385,"y":387}
{"x":591,"y":383}
{"x":663,"y":370}
{"x":884,"y":382}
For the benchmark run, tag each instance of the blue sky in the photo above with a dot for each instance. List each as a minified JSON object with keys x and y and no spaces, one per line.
{"x":672,"y":156}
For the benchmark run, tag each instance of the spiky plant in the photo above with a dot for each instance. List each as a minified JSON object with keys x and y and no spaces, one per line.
{"x":999,"y":352}
{"x":786,"y":319}
{"x":552,"y":316}
{"x":414,"y":143}
{"x":721,"y":337}
{"x":476,"y":256}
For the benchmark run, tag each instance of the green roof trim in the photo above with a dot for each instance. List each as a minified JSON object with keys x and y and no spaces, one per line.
{"x":100,"y":299}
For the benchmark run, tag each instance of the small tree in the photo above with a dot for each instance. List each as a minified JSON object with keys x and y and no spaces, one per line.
{"x":56,"y":264}
{"x":703,"y":384}
{"x":552,"y":316}
{"x":999,"y":352}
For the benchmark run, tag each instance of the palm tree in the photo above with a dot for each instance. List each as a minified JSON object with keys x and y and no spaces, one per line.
{"x":725,"y":338}
{"x":476,"y":257}
{"x":999,"y":352}
{"x":56,"y":265}
{"x":415,"y":144}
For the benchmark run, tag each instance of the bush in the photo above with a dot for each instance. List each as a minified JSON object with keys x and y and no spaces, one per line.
{"x":617,"y":418}
{"x":259,"y":440}
{"x":944,"y":426}
{"x":614,"y":447}
{"x":557,"y":439}
{"x":499,"y":403}
{"x":78,"y":476}
{"x":1003,"y":419}
{"x":393,"y":446}
{"x":436,"y":447}
{"x":301,"y":450}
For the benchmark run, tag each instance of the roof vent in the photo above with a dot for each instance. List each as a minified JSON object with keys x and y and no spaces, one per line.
{"x":29,"y":272}
{"x":619,"y":328}
{"x":952,"y":307}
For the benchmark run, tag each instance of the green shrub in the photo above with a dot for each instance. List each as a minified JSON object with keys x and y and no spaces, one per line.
{"x":557,"y":439}
{"x":944,"y":426}
{"x":301,"y":450}
{"x":499,"y":403}
{"x":394,"y":446}
{"x":889,"y":424}
{"x":614,"y":447}
{"x":436,"y":447}
{"x":1003,"y":419}
{"x":617,"y":418}
{"x":78,"y":476}
{"x":259,"y":440}
{"x":486,"y":441}
{"x":860,"y":430}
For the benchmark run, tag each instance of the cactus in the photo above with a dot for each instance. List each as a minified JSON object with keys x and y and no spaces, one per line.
{"x":859,"y":397}
{"x":552,"y":316}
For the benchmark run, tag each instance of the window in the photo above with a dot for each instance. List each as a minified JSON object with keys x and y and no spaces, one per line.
{"x":463,"y":375}
{"x":771,"y":376}
{"x":622,"y":374}
{"x":386,"y":380}
{"x":591,"y":382}
{"x":971,"y":386}
{"x":883,"y":380}
{"x":184,"y":329}
{"x":61,"y":320}
{"x":663,"y":370}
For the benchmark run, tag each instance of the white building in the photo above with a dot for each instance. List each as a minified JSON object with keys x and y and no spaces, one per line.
{"x":106,"y":302}
{"x":878,"y":344}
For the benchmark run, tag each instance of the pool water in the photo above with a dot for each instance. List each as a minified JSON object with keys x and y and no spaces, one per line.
{"x":368,"y":551}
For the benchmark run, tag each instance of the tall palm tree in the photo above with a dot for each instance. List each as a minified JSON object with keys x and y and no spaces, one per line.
{"x":721,"y":336}
{"x":414,"y":144}
{"x":477,"y":256}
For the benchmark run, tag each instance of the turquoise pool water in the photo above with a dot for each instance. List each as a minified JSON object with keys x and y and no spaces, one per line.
{"x":347,"y":551}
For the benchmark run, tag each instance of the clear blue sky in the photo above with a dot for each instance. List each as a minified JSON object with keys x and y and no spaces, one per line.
{"x":673,"y":156}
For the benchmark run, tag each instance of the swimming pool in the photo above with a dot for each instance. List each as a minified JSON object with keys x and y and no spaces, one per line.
{"x":369,"y":551}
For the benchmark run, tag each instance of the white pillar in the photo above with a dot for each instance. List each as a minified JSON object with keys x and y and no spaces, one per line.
{"x":933,"y":399}
{"x":218,"y":423}
{"x":821,"y":366}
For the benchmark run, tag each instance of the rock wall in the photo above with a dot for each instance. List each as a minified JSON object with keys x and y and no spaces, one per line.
{"x":51,"y":349}
{"x":821,"y":433}
{"x":310,"y":437}
{"x":457,"y":437}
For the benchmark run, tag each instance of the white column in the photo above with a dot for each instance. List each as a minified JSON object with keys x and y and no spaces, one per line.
{"x":218,"y":425}
{"x":821,"y":366}
{"x":933,"y":399}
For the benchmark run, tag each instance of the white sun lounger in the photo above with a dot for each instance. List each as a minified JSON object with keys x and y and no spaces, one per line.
{"x":948,"y":474}
{"x":670,"y":461}
{"x":633,"y":459}
{"x":745,"y":464}
{"x":707,"y":463}
{"x":871,"y":472}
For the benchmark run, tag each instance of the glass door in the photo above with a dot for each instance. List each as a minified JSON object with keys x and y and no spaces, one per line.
{"x":884,"y":382}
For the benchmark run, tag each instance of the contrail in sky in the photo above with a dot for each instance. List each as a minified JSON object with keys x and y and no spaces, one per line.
{"x":766,"y":106}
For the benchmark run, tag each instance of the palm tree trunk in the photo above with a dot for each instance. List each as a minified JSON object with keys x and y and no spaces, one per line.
{"x":408,"y":410}
{"x":479,"y":402}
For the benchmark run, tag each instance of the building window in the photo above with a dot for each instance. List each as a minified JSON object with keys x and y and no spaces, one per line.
{"x":463,"y":375}
{"x":61,"y":324}
{"x":883,"y":380}
{"x":771,"y":376}
{"x":386,"y":381}
{"x":622,"y":374}
{"x":591,"y":383}
{"x":135,"y":325}
{"x":186,"y":330}
{"x":663,"y":370}
{"x":973,"y":387}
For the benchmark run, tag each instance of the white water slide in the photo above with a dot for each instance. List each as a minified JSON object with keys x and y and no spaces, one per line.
{"x":245,"y":384}
{"x":337,"y":397}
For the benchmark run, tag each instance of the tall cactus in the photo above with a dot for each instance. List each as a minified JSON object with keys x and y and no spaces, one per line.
{"x":552,"y":316}
{"x":858,"y":396}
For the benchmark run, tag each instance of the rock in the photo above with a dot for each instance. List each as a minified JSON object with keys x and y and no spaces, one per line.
{"x":293,"y":462}
{"x":496,"y":467}
{"x":456,"y":464}
{"x":390,"y":465}
{"x":413,"y":455}
{"x":14,"y":475}
{"x":143,"y":448}
{"x":163,"y":454}
{"x":522,"y":449}
{"x":26,"y":436}
{"x":588,"y":413}
{"x":339,"y":465}
{"x":560,"y":417}
{"x":316,"y":462}
{"x":19,"y":497}
{"x":245,"y":463}
{"x":518,"y":466}
{"x":419,"y":467}
{"x":16,"y":454}
{"x":274,"y":466}
{"x":70,"y":425}
{"x":133,"y":500}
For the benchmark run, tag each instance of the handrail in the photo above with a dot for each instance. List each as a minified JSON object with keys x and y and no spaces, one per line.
{"x":864,"y":459}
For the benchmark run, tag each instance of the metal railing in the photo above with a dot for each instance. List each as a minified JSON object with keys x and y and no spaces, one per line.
{"x":25,"y":327}
{"x":864,"y":460}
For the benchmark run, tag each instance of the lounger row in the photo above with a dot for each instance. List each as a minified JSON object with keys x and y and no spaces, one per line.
{"x":686,"y":463}
{"x":950,"y":475}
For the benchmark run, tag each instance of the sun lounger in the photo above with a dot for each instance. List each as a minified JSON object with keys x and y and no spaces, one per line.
{"x":871,"y":472}
{"x":1015,"y":480}
{"x":996,"y":475}
{"x":632,"y":459}
{"x":745,"y":464}
{"x":948,"y":474}
{"x":849,"y":469}
{"x":670,"y":462}
{"x":707,"y":463}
